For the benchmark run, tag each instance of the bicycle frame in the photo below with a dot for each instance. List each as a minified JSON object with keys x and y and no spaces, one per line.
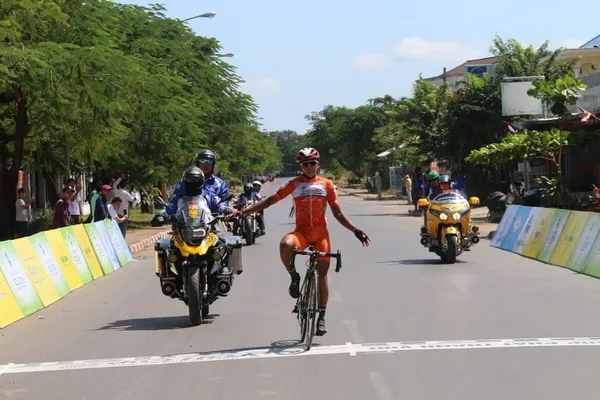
{"x":307,"y":304}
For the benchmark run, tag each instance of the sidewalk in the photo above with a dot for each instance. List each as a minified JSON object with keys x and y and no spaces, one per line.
{"x":478,"y":214}
{"x":144,"y":238}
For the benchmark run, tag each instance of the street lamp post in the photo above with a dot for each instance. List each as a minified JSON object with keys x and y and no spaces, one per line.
{"x":205,"y":15}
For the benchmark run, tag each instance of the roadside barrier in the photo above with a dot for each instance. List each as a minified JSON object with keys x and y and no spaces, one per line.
{"x":563,"y":238}
{"x":39,"y":270}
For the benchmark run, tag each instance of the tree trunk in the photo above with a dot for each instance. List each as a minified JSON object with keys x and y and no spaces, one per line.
{"x":8,"y":178}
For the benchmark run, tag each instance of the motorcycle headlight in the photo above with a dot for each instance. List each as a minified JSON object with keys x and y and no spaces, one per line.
{"x":443,"y":216}
{"x":456,"y":216}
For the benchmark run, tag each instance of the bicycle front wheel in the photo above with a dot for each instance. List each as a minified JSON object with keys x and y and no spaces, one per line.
{"x":312,"y":306}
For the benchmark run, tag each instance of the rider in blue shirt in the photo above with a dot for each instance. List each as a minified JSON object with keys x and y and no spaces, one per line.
{"x":205,"y":160}
{"x":250,"y":194}
{"x":193,"y":185}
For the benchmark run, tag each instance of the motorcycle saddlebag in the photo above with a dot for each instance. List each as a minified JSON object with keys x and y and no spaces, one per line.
{"x":235,"y":260}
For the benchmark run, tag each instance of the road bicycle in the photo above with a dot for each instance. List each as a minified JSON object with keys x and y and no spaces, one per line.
{"x":307,"y":304}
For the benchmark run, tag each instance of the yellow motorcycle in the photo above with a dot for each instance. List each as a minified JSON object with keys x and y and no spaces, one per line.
{"x":197,"y":264}
{"x":448,"y":230}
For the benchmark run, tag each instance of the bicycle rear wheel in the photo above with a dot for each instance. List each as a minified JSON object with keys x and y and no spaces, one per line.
{"x":312,"y":307}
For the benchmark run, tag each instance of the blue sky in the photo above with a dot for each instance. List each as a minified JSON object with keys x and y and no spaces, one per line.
{"x":300,"y":55}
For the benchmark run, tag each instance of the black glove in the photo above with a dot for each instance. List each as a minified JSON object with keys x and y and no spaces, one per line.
{"x":360,"y":235}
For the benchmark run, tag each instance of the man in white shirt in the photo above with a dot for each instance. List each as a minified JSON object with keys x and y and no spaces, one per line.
{"x":22,"y":213}
{"x":75,"y":203}
{"x":121,"y":190}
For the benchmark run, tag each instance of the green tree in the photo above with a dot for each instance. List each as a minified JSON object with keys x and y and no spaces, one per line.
{"x":547,"y":145}
{"x":559,"y":94}
{"x":344,"y":137}
{"x":515,"y":60}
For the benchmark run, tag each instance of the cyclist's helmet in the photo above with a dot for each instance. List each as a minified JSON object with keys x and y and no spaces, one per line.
{"x":248,"y":188}
{"x":307,"y":154}
{"x":445,"y":182}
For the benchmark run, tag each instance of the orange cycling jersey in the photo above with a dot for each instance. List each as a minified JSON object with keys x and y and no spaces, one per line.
{"x":311,"y":197}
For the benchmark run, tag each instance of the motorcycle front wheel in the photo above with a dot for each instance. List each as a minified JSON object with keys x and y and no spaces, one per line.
{"x":194,"y":293}
{"x":452,"y":250}
{"x":249,"y":233}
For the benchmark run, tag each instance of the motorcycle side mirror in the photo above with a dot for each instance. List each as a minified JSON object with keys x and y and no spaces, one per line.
{"x":157,"y":221}
{"x":159,"y":200}
{"x":474,"y":201}
{"x":423,"y":203}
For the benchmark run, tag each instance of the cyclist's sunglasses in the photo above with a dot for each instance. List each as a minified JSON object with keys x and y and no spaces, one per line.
{"x":205,"y":162}
{"x":311,"y":163}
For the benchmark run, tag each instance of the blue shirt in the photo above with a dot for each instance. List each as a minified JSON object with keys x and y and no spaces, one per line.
{"x":255,"y":196}
{"x":213,"y":185}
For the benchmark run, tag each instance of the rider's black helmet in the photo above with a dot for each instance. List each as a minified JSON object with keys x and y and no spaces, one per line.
{"x":205,"y":154}
{"x":193,"y":174}
{"x":248,"y":188}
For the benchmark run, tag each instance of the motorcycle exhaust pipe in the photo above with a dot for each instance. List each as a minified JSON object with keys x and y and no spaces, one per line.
{"x":168,"y":288}
{"x":223,"y":287}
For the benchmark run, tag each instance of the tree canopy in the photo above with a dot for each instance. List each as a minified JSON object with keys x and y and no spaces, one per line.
{"x":97,"y":85}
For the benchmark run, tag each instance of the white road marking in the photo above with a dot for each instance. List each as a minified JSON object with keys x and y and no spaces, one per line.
{"x":351,"y":349}
{"x":381,"y":387}
{"x":298,"y":351}
{"x":4,"y":368}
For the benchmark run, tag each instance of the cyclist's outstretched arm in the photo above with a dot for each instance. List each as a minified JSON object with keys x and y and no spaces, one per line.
{"x":261,"y":205}
{"x":345,"y":221}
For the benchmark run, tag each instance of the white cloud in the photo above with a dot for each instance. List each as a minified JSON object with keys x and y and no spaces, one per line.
{"x":570,"y":43}
{"x":261,"y":85}
{"x":371,"y":61}
{"x":415,"y":48}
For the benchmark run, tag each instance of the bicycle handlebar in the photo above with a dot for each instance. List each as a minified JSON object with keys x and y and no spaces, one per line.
{"x":337,"y":256}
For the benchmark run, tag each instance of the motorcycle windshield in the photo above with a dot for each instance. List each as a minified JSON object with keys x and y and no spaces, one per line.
{"x":193,"y":212}
{"x":449,"y":198}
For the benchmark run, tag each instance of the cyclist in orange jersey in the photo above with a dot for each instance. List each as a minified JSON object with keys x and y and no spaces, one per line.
{"x":311,"y":194}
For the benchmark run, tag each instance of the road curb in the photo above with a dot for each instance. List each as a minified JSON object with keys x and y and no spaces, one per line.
{"x":142,"y":245}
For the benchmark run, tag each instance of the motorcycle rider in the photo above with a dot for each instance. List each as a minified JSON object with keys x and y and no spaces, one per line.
{"x":205,"y":160}
{"x":250,"y":194}
{"x":445,"y":183}
{"x":433,"y":185}
{"x":256,"y":185}
{"x":193,"y":184}
{"x":432,"y":190}
{"x":261,"y":220}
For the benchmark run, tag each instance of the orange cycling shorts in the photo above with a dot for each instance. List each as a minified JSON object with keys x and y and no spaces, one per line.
{"x":318,"y":236}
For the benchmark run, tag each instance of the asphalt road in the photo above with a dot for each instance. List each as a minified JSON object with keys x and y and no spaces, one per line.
{"x":120,"y":338}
